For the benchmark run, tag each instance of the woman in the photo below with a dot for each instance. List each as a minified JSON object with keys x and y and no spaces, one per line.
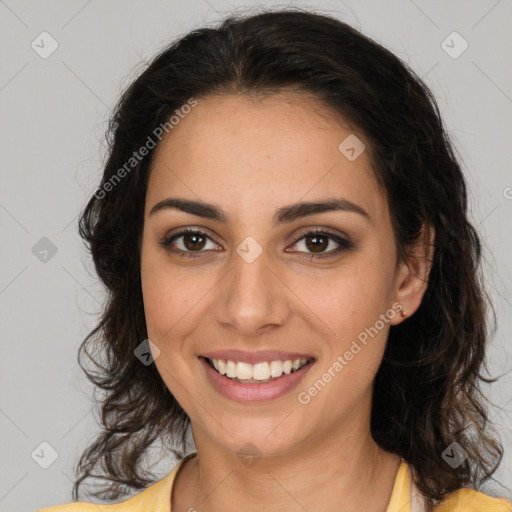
{"x":282,"y":229}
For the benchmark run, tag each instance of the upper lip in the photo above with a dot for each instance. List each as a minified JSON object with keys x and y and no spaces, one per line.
{"x":255,"y":357}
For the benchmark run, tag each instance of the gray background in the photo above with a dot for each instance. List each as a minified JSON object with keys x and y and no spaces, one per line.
{"x":54,"y":114}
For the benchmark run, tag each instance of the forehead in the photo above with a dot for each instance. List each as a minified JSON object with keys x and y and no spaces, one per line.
{"x":253,"y":151}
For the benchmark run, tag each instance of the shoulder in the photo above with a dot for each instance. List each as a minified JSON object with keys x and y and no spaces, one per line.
{"x":150,"y":498}
{"x":470,"y":500}
{"x":80,"y":506}
{"x":156,"y":498}
{"x":140,"y":502}
{"x":75,"y":507}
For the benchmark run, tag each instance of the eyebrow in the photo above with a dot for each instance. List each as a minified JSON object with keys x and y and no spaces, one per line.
{"x":282,"y":215}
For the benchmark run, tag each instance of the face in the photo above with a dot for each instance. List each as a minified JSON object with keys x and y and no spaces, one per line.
{"x":252,"y":282}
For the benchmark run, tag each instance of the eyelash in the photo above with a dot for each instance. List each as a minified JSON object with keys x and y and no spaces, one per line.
{"x":344,"y":243}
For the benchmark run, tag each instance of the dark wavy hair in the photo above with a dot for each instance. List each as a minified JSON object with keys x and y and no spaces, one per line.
{"x":427,"y":391}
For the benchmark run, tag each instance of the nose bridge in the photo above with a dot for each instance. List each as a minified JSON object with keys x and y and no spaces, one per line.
{"x":251,"y":296}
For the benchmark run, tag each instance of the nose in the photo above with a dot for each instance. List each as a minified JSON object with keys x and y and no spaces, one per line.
{"x":251,"y":298}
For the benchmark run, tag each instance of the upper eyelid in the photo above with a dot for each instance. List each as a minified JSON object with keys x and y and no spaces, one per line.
{"x":190,"y":230}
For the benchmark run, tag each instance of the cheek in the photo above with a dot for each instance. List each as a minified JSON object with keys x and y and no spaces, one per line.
{"x":159,"y":292}
{"x":350,"y":298}
{"x":172,"y":296}
{"x":350,"y":302}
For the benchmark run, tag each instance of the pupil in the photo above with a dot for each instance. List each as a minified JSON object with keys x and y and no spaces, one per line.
{"x":316,"y":244}
{"x":194,"y":244}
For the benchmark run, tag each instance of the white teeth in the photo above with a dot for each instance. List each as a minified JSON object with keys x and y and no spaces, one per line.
{"x":287,"y":366}
{"x":230,"y":369}
{"x":243,"y":370}
{"x":260,"y":371}
{"x":276,"y":369}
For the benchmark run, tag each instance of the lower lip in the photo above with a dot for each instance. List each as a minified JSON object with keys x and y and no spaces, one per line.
{"x":246,"y":392}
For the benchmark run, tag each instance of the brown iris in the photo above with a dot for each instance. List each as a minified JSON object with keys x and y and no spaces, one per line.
{"x":197,"y":241}
{"x":317,"y":246}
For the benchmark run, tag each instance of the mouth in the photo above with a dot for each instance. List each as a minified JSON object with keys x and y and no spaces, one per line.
{"x":259,"y":373}
{"x":250,"y":377}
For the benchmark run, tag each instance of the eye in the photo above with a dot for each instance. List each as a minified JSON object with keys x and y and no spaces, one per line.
{"x":318,"y":240}
{"x":194,"y":240}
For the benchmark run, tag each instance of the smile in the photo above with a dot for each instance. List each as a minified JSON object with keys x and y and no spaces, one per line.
{"x":258,"y":373}
{"x":259,"y":382}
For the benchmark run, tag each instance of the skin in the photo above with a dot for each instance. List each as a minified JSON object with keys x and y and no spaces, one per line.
{"x":250,"y":157}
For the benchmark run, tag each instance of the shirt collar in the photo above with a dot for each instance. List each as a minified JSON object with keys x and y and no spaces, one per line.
{"x":401,"y":494}
{"x":157,"y":496}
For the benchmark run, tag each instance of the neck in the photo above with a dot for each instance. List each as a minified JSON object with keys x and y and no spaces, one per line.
{"x":348,"y":474}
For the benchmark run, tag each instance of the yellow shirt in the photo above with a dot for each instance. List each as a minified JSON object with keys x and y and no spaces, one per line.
{"x":157,"y":498}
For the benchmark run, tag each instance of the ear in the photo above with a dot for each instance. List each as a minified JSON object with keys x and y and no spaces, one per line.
{"x":412,"y":275}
